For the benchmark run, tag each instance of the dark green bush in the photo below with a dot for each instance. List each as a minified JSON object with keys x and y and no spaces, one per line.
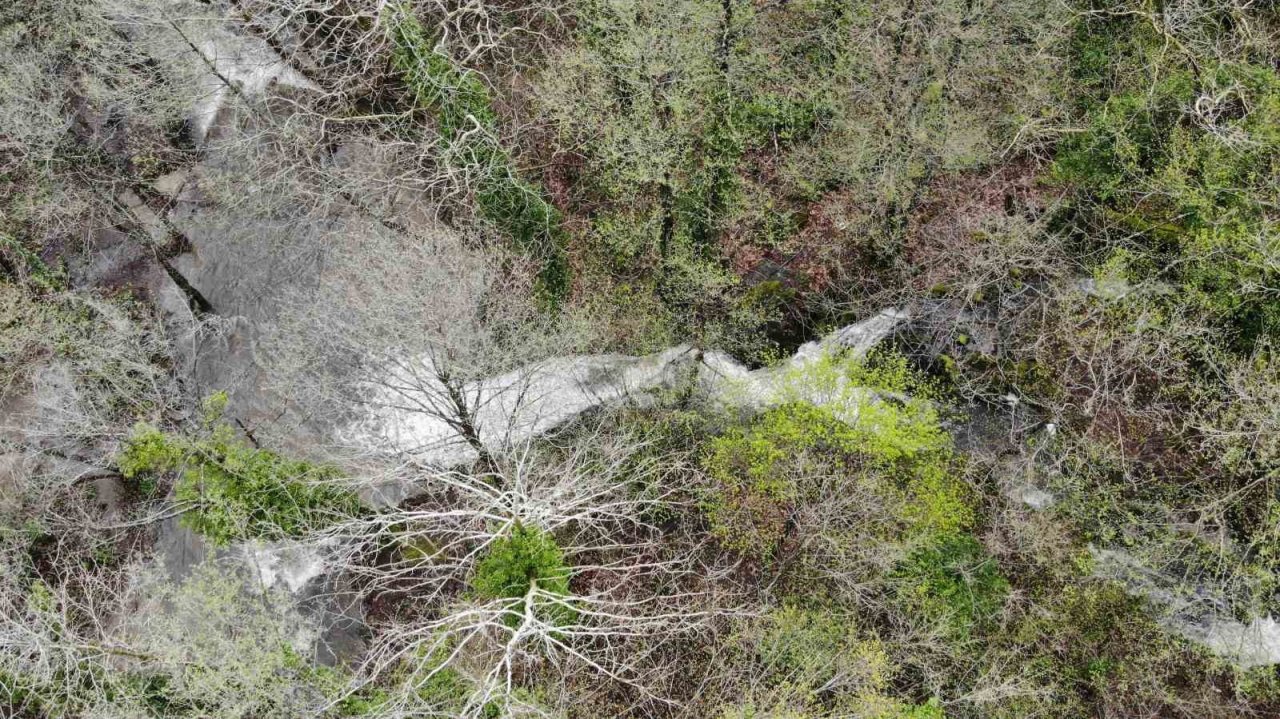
{"x":954,"y":580}
{"x":516,"y":562}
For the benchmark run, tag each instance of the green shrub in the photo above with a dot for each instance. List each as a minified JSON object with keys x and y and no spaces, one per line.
{"x":148,"y":451}
{"x":518,"y":560}
{"x":894,"y":407}
{"x":233,"y":491}
{"x":866,"y":430}
{"x":758,"y":471}
{"x":954,"y":580}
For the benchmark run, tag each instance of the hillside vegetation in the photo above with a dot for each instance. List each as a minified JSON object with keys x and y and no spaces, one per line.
{"x":681,"y":359}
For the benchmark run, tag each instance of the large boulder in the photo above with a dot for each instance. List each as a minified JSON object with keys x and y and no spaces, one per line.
{"x":240,"y":66}
{"x":305,"y":571}
{"x":414,"y":414}
{"x":507,"y":409}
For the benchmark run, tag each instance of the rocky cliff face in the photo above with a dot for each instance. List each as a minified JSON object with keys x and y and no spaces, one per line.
{"x":217,"y":294}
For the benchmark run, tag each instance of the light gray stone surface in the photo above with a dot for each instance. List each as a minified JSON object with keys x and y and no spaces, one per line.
{"x":238,"y":65}
{"x":1197,"y":613}
{"x":411,"y":407}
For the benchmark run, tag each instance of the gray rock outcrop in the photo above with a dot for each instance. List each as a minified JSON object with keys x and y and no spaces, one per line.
{"x":415,"y":413}
{"x":1196,"y":613}
{"x":238,"y":65}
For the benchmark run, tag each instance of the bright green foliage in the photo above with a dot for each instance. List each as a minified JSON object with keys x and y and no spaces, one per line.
{"x":891,"y":406}
{"x":755,"y":472}
{"x":733,"y":174}
{"x":515,"y":563}
{"x":235,"y":491}
{"x":149,"y":451}
{"x":763,"y":470}
{"x":459,"y":101}
{"x":953,"y":579}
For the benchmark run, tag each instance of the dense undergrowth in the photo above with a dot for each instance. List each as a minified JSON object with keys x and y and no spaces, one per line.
{"x":1032,"y":501}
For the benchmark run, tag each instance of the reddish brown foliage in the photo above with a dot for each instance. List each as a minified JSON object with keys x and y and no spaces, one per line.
{"x":946,"y":233}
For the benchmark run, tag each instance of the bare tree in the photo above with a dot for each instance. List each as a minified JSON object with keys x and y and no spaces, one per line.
{"x":616,"y":582}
